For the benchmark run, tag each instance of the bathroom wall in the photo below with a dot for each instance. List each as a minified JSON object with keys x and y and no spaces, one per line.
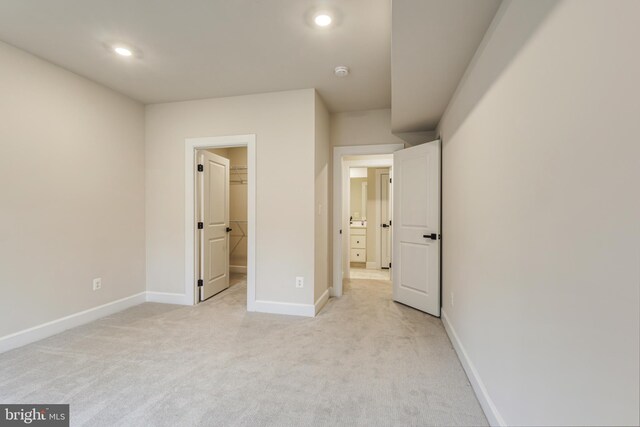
{"x":356,"y":198}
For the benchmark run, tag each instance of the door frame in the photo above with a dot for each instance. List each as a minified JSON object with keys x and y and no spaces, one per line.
{"x":340,"y":192}
{"x":379,"y":174}
{"x":191,"y":147}
{"x":370,"y":161}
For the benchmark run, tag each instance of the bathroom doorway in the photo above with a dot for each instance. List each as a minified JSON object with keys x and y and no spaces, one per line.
{"x":369,"y":231}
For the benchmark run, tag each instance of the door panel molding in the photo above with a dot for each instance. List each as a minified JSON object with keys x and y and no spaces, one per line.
{"x":213,"y":211}
{"x":416,"y":216}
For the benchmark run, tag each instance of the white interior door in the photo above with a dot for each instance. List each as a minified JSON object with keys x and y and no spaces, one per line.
{"x":213,"y":224}
{"x":385,"y":221}
{"x":416,"y":222}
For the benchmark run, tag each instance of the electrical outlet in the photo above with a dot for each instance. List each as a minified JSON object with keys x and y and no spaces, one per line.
{"x":299,"y":282}
{"x":97,"y":283}
{"x":452,"y":295}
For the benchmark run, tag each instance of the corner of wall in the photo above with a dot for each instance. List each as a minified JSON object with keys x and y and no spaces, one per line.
{"x":322,"y":266}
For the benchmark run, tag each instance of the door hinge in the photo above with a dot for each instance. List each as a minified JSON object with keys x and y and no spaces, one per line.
{"x":389,"y":223}
{"x":390,"y":179}
{"x":200,"y":168}
{"x":200,"y":225}
{"x":340,"y":231}
{"x":200,"y":282}
{"x":389,"y":265}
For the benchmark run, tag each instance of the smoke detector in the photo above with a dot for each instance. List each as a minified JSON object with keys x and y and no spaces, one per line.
{"x":341,"y":71}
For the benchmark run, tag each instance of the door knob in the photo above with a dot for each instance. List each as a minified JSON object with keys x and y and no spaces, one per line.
{"x":229,"y":229}
{"x":432,"y":236}
{"x":384,"y":225}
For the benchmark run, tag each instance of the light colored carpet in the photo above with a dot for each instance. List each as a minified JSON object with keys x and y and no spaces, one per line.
{"x":369,"y":273}
{"x":363,"y":361}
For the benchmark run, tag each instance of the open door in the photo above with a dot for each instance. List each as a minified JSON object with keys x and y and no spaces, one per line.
{"x":416,"y":223}
{"x":213,"y":224}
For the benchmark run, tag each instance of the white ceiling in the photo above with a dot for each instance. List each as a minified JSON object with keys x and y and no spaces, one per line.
{"x":433,"y":42}
{"x":192,"y":49}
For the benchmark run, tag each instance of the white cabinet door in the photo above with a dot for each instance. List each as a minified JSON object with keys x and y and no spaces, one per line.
{"x":416,"y":223}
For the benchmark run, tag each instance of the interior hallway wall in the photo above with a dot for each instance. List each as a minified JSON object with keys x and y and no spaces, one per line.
{"x":322,"y":223}
{"x":71,"y":193}
{"x":368,"y":127}
{"x":541,"y":213}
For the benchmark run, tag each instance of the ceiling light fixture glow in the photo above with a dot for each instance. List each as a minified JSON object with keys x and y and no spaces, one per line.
{"x":122,"y":51}
{"x":322,"y":20}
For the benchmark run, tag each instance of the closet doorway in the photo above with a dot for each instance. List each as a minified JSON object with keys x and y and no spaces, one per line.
{"x":227,"y":165}
{"x":222,"y":240}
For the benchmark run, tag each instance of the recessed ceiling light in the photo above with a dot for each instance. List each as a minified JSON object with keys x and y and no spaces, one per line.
{"x":322,"y":19}
{"x":122,"y":51}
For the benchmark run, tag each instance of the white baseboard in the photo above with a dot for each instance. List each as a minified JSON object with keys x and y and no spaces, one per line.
{"x":294,"y":309}
{"x":36,"y":333}
{"x":321,"y":301}
{"x":489,"y":408}
{"x":373,"y":265}
{"x":168,"y":298}
{"x":238,"y":269}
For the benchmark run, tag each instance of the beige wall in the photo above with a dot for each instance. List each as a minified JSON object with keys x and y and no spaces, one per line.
{"x":541,"y":213}
{"x":362,"y":128}
{"x":72,"y":193}
{"x":284,"y":124}
{"x":322,"y":197}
